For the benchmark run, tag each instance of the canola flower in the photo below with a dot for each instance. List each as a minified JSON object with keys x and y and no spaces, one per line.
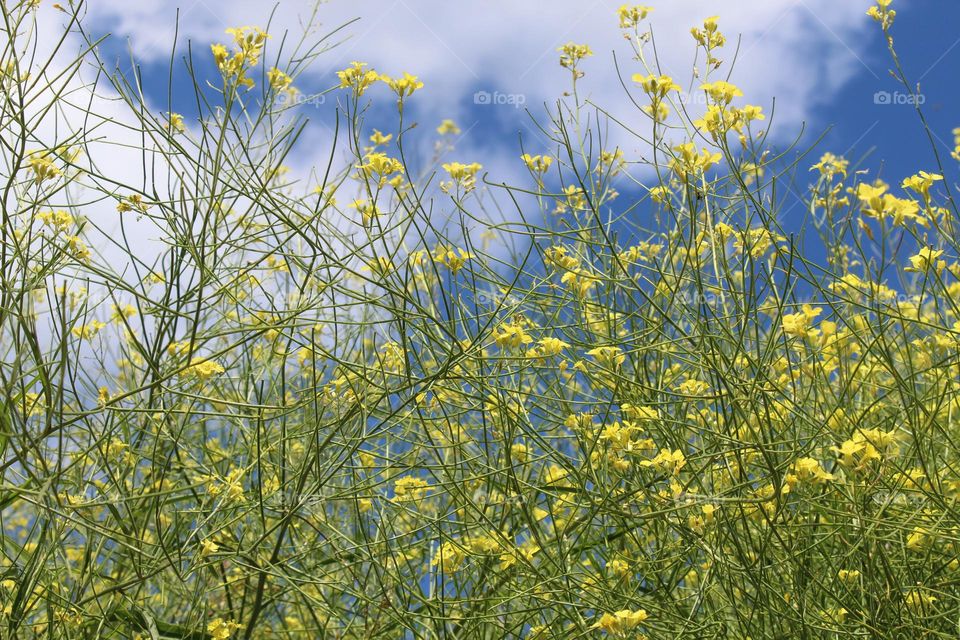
{"x":204,"y":369}
{"x":619,"y":623}
{"x":571,"y":55}
{"x":630,"y":16}
{"x":463,"y":177}
{"x":448,"y":127}
{"x":357,"y":78}
{"x":43,"y":166}
{"x":248,"y":47}
{"x":176,"y":123}
{"x":537,"y":163}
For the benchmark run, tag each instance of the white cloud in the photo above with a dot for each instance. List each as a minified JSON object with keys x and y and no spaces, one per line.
{"x":799,"y":51}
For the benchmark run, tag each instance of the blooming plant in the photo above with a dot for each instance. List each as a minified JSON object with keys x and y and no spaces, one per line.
{"x":241,"y":403}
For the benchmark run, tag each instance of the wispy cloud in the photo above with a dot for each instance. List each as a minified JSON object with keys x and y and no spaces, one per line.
{"x":799,"y":51}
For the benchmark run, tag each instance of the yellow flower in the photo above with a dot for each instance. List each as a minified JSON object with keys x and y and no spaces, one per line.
{"x":721,"y":91}
{"x":574,"y":198}
{"x":667,"y":461}
{"x":871,"y":198}
{"x":368,"y":211}
{"x":715,"y":120}
{"x":133,"y":202}
{"x":463,"y":175}
{"x":798,"y":324}
{"x":231,"y":487}
{"x":806,"y":470}
{"x":59,"y":220}
{"x":757,"y":241}
{"x":709,"y":36}
{"x":570,"y":56}
{"x":922,"y":182}
{"x":449,"y":557}
{"x":848,"y":576}
{"x":175,"y":123}
{"x":660,"y":194}
{"x":379,"y":139}
{"x":404,"y":86}
{"x":526,"y":551}
{"x":204,"y":369}
{"x":609,"y":357}
{"x":448,"y":127}
{"x":638,"y":413}
{"x":453,"y":259}
{"x":579,"y":283}
{"x":537,"y":164}
{"x":927,"y":260}
{"x":357,"y":78}
{"x":882,"y":13}
{"x":249,"y":42}
{"x":549,"y":347}
{"x":920,"y":539}
{"x":693,"y":388}
{"x":43,"y":167}
{"x":752,"y":112}
{"x":657,"y":87}
{"x":610,"y":162}
{"x":410,"y":488}
{"x":280,"y":81}
{"x":831,"y":165}
{"x":919,"y":600}
{"x":208,"y":548}
{"x":125,"y":312}
{"x":554,"y":475}
{"x":857,"y":454}
{"x":837,"y":615}
{"x":220,"y":54}
{"x":689,"y":161}
{"x":379,"y":166}
{"x":511,"y":336}
{"x":620,"y":622}
{"x":618,"y":567}
{"x":518,"y":452}
{"x":657,"y":111}
{"x":87,"y":331}
{"x":557,"y":257}
{"x":220,"y":629}
{"x":381,"y":266}
{"x":631,"y":16}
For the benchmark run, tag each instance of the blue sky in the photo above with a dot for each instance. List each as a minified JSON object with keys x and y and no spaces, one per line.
{"x":929,"y":45}
{"x":825,"y":63}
